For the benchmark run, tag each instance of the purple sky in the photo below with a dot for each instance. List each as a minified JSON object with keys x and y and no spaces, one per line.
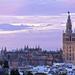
{"x":35,"y":7}
{"x":49,"y":40}
{"x":43,"y":20}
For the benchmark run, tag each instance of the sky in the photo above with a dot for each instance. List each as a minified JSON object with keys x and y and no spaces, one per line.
{"x":34,"y":22}
{"x":35,"y":7}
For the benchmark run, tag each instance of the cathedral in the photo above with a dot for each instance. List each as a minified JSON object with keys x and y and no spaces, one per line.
{"x":69,"y":42}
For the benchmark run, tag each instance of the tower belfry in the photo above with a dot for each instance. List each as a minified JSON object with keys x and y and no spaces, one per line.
{"x":69,"y":42}
{"x":69,"y":24}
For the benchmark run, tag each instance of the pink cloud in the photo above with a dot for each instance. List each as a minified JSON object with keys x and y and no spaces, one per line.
{"x":69,"y":1}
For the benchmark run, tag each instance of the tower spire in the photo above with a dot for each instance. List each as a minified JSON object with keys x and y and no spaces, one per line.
{"x":68,"y":24}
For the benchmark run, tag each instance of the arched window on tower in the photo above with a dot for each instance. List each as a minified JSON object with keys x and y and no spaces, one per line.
{"x":70,"y":37}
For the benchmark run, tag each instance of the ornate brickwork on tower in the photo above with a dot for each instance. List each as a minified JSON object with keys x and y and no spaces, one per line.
{"x":69,"y":42}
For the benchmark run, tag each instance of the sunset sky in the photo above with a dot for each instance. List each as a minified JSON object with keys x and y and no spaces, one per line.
{"x":34,"y":22}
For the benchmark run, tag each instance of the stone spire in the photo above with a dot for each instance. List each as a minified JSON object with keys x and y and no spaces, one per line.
{"x":69,"y":25}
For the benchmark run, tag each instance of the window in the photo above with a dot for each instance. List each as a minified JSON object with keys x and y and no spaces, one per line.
{"x":70,"y":54}
{"x":66,"y":39}
{"x":70,"y":38}
{"x":70,"y":58}
{"x":73,"y":39}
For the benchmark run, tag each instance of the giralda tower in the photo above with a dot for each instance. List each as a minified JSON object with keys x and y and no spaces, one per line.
{"x":69,"y":43}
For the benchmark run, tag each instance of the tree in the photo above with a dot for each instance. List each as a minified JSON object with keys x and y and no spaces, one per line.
{"x":29,"y":73}
{"x":6,"y":65}
{"x":14,"y":72}
{"x":63,"y":74}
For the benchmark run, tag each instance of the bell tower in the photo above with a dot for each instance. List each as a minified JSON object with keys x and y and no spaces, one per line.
{"x":69,"y":43}
{"x":69,"y":25}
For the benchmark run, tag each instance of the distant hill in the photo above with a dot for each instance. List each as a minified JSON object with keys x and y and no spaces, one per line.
{"x":10,"y":27}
